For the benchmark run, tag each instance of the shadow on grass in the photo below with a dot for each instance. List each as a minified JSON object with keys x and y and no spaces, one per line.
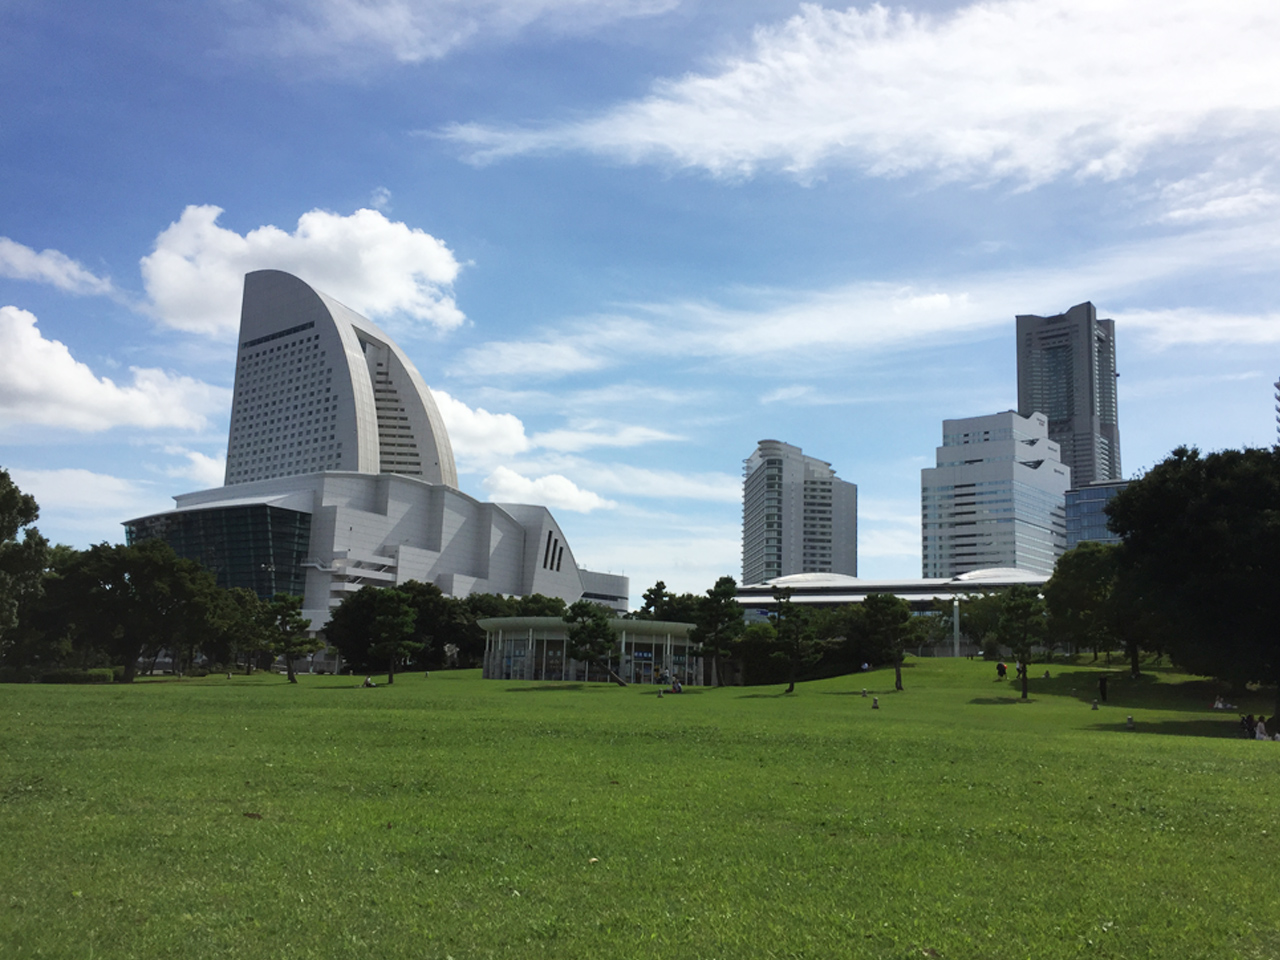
{"x":1216,"y":728}
{"x":997,"y":701}
{"x":1146,"y":692}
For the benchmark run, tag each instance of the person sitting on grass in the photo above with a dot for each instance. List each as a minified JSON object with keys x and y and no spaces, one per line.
{"x":1260,"y":729}
{"x":368,"y":682}
{"x":1246,"y":724}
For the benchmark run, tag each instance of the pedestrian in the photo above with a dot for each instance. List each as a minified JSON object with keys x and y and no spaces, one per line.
{"x":1001,"y":670}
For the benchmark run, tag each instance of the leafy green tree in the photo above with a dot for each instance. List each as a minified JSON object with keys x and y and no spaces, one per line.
{"x":287,"y":631}
{"x":797,"y":642}
{"x":980,"y":621}
{"x":1022,"y":625}
{"x":22,"y":561}
{"x":134,"y":598}
{"x":1201,"y":549}
{"x":886,"y":618}
{"x":349,"y":629}
{"x":591,"y":636}
{"x":718,"y":623}
{"x":662,"y":604}
{"x":1080,"y":599}
{"x":241,"y":626}
{"x":392,"y":629}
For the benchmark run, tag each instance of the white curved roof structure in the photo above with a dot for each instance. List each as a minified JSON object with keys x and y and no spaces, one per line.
{"x":834,"y":588}
{"x":319,"y":387}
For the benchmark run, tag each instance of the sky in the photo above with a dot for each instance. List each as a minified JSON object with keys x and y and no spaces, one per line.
{"x":625,"y":240}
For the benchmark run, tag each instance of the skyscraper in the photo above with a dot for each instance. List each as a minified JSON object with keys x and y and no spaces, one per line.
{"x":1067,"y":371}
{"x":995,"y":498}
{"x":797,"y":516}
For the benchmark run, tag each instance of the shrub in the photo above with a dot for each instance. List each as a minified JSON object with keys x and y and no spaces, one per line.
{"x":18,"y":675}
{"x":96,"y":675}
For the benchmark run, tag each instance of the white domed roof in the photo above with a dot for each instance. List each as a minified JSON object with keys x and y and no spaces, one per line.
{"x":1000,"y":575}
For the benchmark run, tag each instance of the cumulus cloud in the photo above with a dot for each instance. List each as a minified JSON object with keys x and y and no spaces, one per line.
{"x":205,"y":470}
{"x":48,"y":266}
{"x":42,"y":384}
{"x":378,"y":267}
{"x":633,"y":481}
{"x":81,"y":507}
{"x":1030,"y":90}
{"x":504,"y":485}
{"x":478,"y":436}
{"x":411,"y":31}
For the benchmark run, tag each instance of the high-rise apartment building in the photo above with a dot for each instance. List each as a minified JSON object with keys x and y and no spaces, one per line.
{"x":797,"y":515}
{"x":995,"y":498}
{"x":1067,"y":371}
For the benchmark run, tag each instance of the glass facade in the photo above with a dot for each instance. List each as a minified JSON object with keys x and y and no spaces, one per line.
{"x":1086,"y":517}
{"x":256,"y":546}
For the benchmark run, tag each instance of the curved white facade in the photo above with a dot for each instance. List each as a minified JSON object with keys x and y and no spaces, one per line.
{"x":340,"y":475}
{"x":318,"y":387}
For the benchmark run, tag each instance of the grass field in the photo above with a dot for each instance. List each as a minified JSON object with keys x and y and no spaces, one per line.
{"x":455,"y":817}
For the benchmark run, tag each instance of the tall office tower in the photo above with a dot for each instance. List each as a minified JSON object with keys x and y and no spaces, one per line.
{"x":1087,"y":513}
{"x":328,"y":392}
{"x":797,"y":516}
{"x":996,"y":497}
{"x":1067,"y":371}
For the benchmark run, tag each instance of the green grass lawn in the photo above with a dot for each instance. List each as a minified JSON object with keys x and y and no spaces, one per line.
{"x":455,"y":817}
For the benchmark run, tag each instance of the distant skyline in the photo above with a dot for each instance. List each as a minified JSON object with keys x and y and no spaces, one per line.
{"x":625,"y":240}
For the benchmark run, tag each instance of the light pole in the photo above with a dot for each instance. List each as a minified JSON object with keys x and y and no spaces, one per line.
{"x":955,"y":626}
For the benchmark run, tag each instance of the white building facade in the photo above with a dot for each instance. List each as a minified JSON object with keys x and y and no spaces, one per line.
{"x":340,"y":475}
{"x":996,"y":497}
{"x":797,"y":515}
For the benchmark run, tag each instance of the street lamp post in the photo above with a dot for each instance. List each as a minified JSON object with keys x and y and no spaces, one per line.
{"x":955,"y":627}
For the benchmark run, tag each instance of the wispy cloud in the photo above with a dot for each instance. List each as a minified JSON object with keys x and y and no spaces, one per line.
{"x":590,"y":434}
{"x":85,"y":506}
{"x":382,"y":268}
{"x":1029,"y":90}
{"x":876,"y":317}
{"x":41,"y":384}
{"x":411,"y":31}
{"x":19,"y":262}
{"x":202,"y":469}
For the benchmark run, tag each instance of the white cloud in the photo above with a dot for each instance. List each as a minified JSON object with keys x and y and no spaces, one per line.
{"x":641,"y":482}
{"x":42,"y":384}
{"x":1216,"y":195}
{"x":48,"y":266}
{"x":588,"y":434}
{"x":412,"y":31}
{"x":378,"y":267}
{"x":826,"y":327}
{"x":380,"y":199}
{"x":82,"y":507}
{"x":1187,"y":326}
{"x":205,"y":470}
{"x":1030,"y":90}
{"x":478,"y":436}
{"x":559,"y":493}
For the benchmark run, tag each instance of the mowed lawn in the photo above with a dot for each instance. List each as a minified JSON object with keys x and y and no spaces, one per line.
{"x":455,"y":817}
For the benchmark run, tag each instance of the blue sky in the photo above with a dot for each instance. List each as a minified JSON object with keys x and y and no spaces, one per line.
{"x":624,"y":240}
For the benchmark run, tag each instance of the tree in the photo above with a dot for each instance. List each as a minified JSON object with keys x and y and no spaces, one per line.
{"x":980,"y":621}
{"x":718,"y":623}
{"x":1080,"y":599}
{"x":134,"y":598}
{"x":886,"y":618}
{"x":661,"y":604}
{"x":591,"y":636}
{"x":348,"y":628}
{"x":392,"y":629}
{"x":1022,"y":625}
{"x":796,"y":640}
{"x":22,"y":562}
{"x":1201,"y":550}
{"x":287,"y":630}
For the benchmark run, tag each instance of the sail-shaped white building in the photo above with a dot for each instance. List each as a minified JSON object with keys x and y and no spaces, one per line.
{"x":340,"y":474}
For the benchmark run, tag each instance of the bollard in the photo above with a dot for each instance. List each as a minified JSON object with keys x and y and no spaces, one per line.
{"x":864,"y":691}
{"x":1095,"y":704}
{"x":1129,"y":723}
{"x":875,"y":703}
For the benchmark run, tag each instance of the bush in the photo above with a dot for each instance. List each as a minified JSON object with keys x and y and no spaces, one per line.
{"x":18,"y":675}
{"x":117,"y":674}
{"x":96,"y":675}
